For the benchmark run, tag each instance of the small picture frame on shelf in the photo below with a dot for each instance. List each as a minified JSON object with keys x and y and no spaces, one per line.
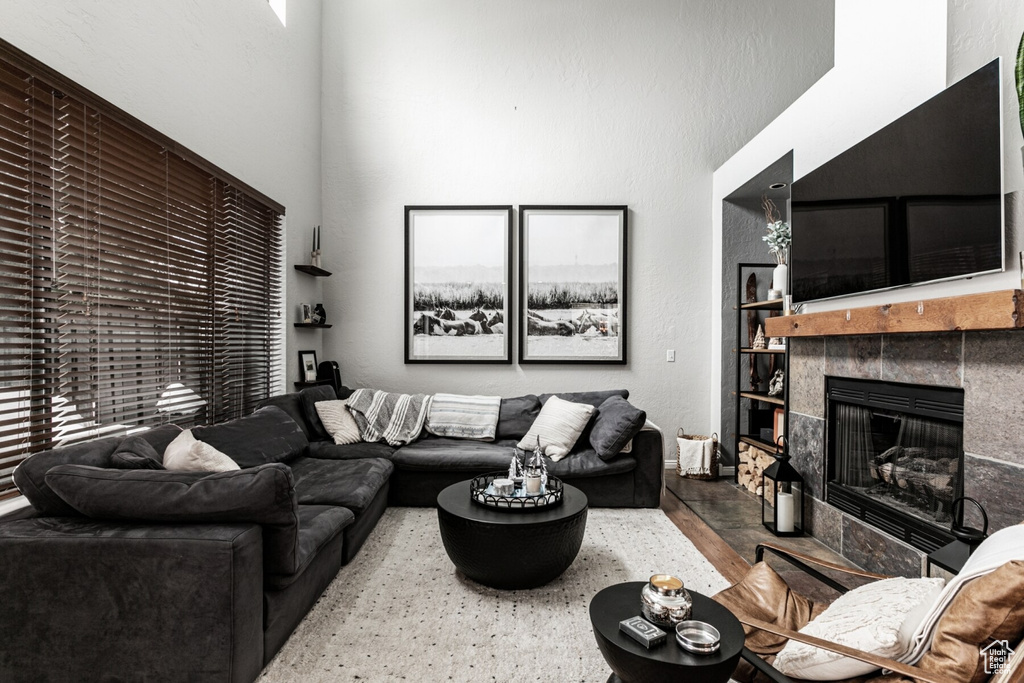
{"x":305,"y":313}
{"x":307,"y":366}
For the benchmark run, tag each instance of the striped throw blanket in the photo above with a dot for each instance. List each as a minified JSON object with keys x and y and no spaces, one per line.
{"x":394,"y":418}
{"x":463,"y":417}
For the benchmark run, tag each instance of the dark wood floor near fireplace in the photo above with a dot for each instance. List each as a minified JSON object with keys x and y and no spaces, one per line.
{"x":724,"y":523}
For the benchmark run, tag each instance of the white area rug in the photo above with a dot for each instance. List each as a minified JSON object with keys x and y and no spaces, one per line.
{"x":401,"y":611}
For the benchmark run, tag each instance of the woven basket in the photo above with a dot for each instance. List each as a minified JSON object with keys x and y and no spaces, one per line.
{"x":713,"y":469}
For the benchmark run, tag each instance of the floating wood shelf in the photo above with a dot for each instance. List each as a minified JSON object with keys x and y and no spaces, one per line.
{"x":779,"y":351}
{"x":324,"y":327}
{"x":759,"y":443}
{"x":758,"y":396}
{"x":773,"y":305}
{"x":313,"y":270}
{"x":1002,"y":310}
{"x":315,"y":383}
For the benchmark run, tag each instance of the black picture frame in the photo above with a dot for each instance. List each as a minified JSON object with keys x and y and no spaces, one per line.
{"x":573,"y":295}
{"x":305,"y":358}
{"x":458,"y":284}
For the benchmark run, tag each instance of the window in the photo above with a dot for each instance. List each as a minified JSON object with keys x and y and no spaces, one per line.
{"x":139,"y":284}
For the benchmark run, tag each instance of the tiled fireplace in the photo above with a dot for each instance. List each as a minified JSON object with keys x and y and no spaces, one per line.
{"x":985,"y":368}
{"x":894,"y":456}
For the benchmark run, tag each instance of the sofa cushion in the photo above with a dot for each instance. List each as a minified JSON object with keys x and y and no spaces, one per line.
{"x":264,"y":495}
{"x":515,"y":415}
{"x":309,"y":397}
{"x":594,"y":398}
{"x":268,"y":435}
{"x":558,"y":427}
{"x":318,"y":524}
{"x":291,"y":404}
{"x":160,"y":436}
{"x":587,"y":463}
{"x":347,"y":483}
{"x":328,"y":450}
{"x":30,"y":476}
{"x":135,"y":453}
{"x":434,"y":453}
{"x":616,"y":423}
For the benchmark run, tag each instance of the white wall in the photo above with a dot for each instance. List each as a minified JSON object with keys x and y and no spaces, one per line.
{"x":223,"y":78}
{"x":890,"y":55}
{"x":561,"y":102}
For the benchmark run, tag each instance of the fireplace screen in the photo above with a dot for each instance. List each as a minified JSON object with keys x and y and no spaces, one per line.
{"x":907,"y":462}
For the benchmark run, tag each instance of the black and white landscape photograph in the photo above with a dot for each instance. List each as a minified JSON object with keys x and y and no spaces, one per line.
{"x":573,"y":281}
{"x":458,"y":284}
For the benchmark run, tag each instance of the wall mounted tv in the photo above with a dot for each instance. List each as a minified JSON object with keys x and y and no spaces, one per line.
{"x":918,"y":201}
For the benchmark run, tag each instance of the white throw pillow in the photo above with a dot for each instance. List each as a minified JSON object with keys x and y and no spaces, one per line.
{"x":177,"y":450}
{"x":558,"y":426}
{"x":185,"y":453}
{"x":338,"y":422}
{"x":879,"y":618}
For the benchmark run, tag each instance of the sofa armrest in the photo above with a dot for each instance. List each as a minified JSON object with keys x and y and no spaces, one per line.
{"x":90,"y":600}
{"x":649,"y":475}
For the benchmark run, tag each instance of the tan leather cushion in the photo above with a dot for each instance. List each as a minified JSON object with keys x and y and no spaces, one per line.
{"x":763,"y":595}
{"x":987,"y":609}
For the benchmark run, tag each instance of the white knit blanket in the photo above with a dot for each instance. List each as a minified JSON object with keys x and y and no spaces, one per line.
{"x":695,"y":456}
{"x":463,"y":417}
{"x":1001,"y":547}
{"x":394,"y":418}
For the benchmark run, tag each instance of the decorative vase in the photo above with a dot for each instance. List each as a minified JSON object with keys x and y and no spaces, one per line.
{"x":780,"y":279}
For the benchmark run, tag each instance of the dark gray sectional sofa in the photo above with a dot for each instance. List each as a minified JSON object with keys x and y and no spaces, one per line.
{"x":132,"y":572}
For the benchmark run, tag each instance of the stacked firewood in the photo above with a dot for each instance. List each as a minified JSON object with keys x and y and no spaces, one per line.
{"x":752,"y":462}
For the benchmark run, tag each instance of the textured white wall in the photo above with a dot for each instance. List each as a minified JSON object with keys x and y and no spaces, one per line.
{"x":562,"y":102}
{"x":223,"y":78}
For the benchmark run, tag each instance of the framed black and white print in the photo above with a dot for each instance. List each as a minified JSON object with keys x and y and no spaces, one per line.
{"x":458,"y":284}
{"x":572,"y":275}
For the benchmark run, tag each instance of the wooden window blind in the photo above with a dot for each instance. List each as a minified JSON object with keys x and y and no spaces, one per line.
{"x":139,"y":285}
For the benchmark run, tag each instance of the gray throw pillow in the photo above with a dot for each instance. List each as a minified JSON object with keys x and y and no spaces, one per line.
{"x":515,"y":415}
{"x":262,"y":495}
{"x":268,"y":435}
{"x":617,"y":422}
{"x":310,"y":396}
{"x":135,"y":453}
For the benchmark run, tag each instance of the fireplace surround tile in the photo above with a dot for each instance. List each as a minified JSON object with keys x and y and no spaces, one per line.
{"x":996,"y":485}
{"x":931,"y":359}
{"x":825,"y":523}
{"x":807,"y":450}
{"x":878,"y":552}
{"x":993,"y":410}
{"x":807,"y":376}
{"x":859,"y":357}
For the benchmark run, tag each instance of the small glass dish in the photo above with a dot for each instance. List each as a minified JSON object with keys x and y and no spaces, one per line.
{"x":698,"y":637}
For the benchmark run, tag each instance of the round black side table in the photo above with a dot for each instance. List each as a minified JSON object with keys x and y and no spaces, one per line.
{"x":511,"y":549}
{"x":666,"y":663}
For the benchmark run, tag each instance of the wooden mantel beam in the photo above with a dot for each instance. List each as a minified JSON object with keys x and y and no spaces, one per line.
{"x":1002,"y":310}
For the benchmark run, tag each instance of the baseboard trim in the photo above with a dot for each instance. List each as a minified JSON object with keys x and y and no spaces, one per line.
{"x":723,"y":470}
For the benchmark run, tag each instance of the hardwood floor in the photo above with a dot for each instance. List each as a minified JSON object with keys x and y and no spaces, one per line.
{"x":726,"y":560}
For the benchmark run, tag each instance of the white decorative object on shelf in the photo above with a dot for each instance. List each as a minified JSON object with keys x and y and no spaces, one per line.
{"x":758,"y":339}
{"x":778,"y":238}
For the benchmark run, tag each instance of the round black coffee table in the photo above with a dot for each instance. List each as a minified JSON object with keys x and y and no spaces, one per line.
{"x":630,"y":661}
{"x":511,"y":548}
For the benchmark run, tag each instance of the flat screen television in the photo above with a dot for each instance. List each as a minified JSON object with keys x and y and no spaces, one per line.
{"x":918,"y":201}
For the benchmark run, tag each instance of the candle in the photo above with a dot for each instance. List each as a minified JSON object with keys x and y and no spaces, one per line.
{"x":533,"y":484}
{"x":784,"y":513}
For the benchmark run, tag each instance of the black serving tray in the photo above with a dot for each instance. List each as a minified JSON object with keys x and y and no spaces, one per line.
{"x":549,"y":497}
